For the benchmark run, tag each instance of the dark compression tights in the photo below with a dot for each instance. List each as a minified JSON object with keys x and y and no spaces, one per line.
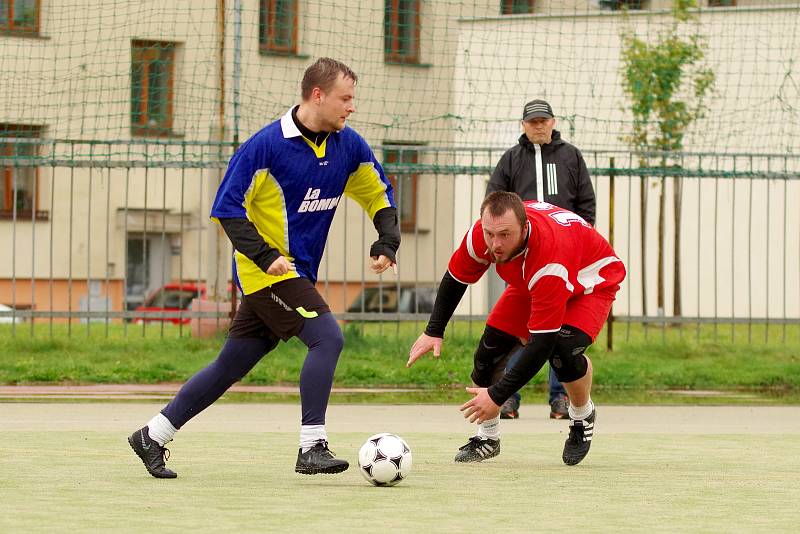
{"x":321,"y":335}
{"x":324,"y":340}
{"x":237,"y":357}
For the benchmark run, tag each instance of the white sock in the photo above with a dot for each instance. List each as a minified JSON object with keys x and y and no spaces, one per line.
{"x":310,"y":435}
{"x":490,"y":429}
{"x":581,"y":412}
{"x":160,"y":429}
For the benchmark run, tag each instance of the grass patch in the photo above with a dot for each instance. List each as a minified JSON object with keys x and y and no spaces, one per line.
{"x":644,"y":358}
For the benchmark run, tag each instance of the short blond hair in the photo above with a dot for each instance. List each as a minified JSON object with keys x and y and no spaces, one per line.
{"x":323,"y":74}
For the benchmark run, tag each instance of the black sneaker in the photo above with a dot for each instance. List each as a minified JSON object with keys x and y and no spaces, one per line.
{"x":580,"y":439}
{"x":478,"y":449}
{"x":319,"y":459}
{"x":510,"y":409}
{"x":152,"y":454}
{"x":559,"y":408}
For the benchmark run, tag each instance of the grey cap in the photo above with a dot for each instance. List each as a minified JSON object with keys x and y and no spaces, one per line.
{"x":536,"y":109}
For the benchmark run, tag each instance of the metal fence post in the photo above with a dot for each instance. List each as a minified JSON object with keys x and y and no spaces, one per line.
{"x":610,"y":322}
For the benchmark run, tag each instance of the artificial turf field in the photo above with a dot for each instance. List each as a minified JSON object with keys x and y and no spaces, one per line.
{"x":67,"y":467}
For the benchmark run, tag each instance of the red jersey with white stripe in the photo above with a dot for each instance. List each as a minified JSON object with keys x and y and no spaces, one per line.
{"x":564,"y":258}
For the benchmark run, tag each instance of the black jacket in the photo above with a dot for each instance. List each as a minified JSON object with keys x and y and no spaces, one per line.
{"x":562,"y":174}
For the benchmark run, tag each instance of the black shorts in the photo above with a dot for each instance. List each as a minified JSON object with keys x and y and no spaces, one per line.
{"x":279,"y":310}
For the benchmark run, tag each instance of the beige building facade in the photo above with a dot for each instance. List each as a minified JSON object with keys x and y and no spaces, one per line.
{"x":119,"y":205}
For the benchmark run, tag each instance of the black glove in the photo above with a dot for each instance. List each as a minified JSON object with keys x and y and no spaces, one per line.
{"x":388,"y":242}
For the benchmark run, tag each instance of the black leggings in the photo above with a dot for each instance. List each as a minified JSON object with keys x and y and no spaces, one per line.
{"x":238,"y":356}
{"x":235,"y":360}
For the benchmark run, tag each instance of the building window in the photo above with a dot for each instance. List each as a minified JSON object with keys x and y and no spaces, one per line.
{"x":516,"y":7}
{"x":401,"y":31}
{"x":19,"y":181}
{"x":147,"y":267}
{"x":19,"y":16}
{"x":621,"y":4}
{"x":721,"y":3}
{"x":405,"y":187}
{"x":152,"y":87}
{"x":277,"y":26}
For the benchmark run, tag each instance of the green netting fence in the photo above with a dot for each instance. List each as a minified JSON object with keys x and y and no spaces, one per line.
{"x":443,"y":73}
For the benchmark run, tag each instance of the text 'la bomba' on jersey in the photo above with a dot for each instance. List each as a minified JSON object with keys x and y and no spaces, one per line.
{"x":312,"y":202}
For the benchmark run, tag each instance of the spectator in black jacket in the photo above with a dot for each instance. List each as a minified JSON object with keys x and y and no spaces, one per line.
{"x":544,"y":167}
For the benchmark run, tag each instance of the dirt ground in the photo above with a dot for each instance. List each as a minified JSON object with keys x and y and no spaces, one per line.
{"x":142,"y":391}
{"x":251,"y":417}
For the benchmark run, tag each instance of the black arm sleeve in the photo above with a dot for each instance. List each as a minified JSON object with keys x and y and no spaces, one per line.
{"x":388,"y":228}
{"x":531,"y":359}
{"x":248,"y":241}
{"x":447,"y":299}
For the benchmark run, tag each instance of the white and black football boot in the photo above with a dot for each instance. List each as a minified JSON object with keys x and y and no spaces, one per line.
{"x":580,"y":439}
{"x":478,"y":449}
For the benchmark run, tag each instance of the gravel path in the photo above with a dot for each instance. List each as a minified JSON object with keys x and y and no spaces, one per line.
{"x":253,"y":417}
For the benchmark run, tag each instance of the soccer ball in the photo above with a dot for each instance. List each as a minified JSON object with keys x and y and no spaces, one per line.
{"x":384,"y":459}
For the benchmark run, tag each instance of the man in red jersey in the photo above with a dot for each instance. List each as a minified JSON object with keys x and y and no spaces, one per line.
{"x":564,"y":277}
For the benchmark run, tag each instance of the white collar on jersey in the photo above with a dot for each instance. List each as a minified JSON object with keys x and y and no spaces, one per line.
{"x":288,"y":127}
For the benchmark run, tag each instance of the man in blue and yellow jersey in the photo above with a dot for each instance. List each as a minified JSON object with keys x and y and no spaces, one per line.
{"x":276,"y":204}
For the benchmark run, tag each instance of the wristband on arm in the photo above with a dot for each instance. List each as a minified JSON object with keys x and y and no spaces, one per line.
{"x":388,"y":228}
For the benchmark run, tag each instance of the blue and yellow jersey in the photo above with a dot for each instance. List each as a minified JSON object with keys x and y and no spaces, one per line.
{"x":289,"y":188}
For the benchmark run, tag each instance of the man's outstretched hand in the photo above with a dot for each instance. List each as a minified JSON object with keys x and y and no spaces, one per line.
{"x":423,"y":345}
{"x":481,"y":407}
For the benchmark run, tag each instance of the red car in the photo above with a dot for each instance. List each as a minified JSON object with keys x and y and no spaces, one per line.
{"x":172,"y":297}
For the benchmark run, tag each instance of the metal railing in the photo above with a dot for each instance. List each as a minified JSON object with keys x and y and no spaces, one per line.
{"x":733,"y":252}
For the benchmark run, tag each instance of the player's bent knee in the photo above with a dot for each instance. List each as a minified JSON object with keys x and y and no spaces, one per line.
{"x":324,"y":333}
{"x":570,"y":367}
{"x":568,"y":360}
{"x":334,"y":341}
{"x":492,"y":352}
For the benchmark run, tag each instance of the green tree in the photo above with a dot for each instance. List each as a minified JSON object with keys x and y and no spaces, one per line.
{"x":666,"y":82}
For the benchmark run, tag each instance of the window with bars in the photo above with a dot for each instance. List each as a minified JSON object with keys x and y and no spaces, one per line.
{"x":19,"y":16}
{"x":401,"y":31}
{"x":621,"y":4}
{"x":19,"y":181}
{"x":152,"y":87}
{"x":516,"y":7}
{"x":277,"y":26}
{"x":405,"y":187}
